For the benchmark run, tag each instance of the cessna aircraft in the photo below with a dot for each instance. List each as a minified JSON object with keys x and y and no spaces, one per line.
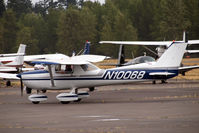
{"x":74,"y":73}
{"x":11,"y":63}
{"x":162,"y":47}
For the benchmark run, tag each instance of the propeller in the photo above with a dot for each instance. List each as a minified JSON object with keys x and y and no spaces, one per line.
{"x":21,"y":82}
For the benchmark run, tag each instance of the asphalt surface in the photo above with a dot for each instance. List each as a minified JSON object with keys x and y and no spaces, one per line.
{"x":132,"y":108}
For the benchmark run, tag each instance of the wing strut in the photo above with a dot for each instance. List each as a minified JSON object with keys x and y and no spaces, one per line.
{"x":51,"y":76}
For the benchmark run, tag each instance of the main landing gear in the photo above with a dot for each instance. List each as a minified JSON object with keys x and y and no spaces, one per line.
{"x":64,"y":98}
{"x":73,"y":96}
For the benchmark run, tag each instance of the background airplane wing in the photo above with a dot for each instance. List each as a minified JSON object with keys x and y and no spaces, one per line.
{"x":8,"y":76}
{"x":164,"y":43}
{"x":192,"y":51}
{"x":193,"y":41}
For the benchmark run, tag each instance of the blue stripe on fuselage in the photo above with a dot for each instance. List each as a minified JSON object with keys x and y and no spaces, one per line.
{"x":113,"y":75}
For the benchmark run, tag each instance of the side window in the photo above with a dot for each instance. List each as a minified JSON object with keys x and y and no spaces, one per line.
{"x":84,"y":67}
{"x":88,"y":67}
{"x":64,"y":69}
{"x":68,"y":69}
{"x":58,"y":68}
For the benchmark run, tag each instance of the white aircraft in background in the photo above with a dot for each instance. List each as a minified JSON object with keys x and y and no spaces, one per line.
{"x":162,"y":47}
{"x":75,"y":73}
{"x":12,"y":63}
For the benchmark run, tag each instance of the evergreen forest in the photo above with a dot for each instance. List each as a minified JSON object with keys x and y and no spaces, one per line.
{"x":63,"y":26}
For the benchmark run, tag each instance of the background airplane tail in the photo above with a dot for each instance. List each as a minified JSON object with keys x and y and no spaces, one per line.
{"x":172,"y":57}
{"x":87,"y":48}
{"x":22,"y":49}
{"x":19,"y":59}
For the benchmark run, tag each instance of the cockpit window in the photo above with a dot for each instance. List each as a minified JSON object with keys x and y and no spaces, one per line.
{"x":88,"y":67}
{"x":141,"y":59}
{"x":67,"y":69}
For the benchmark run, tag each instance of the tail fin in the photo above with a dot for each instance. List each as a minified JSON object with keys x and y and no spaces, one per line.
{"x":22,"y":49}
{"x":87,"y":48}
{"x":185,"y":36}
{"x":19,"y":59}
{"x":172,"y":57}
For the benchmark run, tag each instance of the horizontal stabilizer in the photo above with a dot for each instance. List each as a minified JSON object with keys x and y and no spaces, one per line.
{"x":161,"y":74}
{"x":184,"y":69}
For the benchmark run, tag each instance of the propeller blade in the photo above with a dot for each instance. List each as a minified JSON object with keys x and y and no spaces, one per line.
{"x":21,"y":82}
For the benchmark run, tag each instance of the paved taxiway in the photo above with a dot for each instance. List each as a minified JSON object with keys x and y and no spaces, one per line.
{"x":141,"y":107}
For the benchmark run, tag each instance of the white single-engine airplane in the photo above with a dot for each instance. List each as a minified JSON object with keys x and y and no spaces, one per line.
{"x":75,"y":73}
{"x":12,"y":63}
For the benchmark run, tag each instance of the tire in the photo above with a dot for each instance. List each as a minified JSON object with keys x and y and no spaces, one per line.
{"x":8,"y":83}
{"x":35,"y":102}
{"x":65,"y":102}
{"x":28,"y":90}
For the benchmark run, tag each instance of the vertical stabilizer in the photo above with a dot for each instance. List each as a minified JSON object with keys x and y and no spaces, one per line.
{"x":19,"y":59}
{"x":87,"y":48}
{"x":22,"y":49}
{"x":172,"y":57}
{"x":185,"y":37}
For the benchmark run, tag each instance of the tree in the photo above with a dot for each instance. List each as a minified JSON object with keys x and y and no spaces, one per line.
{"x":25,"y":36}
{"x":52,"y":23}
{"x":74,"y":28}
{"x":9,"y":30}
{"x":2,"y":8}
{"x":38,"y":30}
{"x":20,"y":6}
{"x":173,"y":21}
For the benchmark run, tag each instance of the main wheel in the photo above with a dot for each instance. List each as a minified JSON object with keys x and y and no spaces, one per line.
{"x":8,"y":83}
{"x":35,"y":102}
{"x":65,"y":102}
{"x":28,"y":90}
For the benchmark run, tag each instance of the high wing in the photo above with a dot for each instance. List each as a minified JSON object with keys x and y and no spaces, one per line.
{"x":74,"y":60}
{"x":90,"y":58}
{"x":44,"y":57}
{"x":61,"y":62}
